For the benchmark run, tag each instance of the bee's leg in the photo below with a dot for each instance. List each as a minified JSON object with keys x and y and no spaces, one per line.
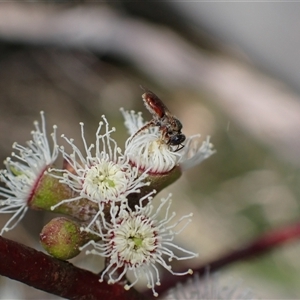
{"x":146,"y":126}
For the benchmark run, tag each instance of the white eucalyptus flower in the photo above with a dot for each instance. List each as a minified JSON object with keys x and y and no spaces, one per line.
{"x":209,"y":288}
{"x":149,"y":150}
{"x":194,"y":152}
{"x":22,"y":175}
{"x":102,"y":174}
{"x":137,"y":241}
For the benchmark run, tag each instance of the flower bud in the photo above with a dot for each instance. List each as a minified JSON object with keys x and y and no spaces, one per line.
{"x":62,"y":238}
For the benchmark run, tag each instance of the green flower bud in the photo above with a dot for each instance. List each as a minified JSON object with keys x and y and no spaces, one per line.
{"x":62,"y":238}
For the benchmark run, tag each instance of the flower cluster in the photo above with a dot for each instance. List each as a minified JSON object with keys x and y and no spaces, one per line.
{"x":109,"y":192}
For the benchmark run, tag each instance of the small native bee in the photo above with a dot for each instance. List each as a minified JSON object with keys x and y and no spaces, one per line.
{"x":169,"y":125}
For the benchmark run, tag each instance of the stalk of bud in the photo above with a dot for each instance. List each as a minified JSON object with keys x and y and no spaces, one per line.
{"x":49,"y":191}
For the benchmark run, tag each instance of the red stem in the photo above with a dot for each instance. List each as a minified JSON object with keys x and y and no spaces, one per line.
{"x":55,"y":276}
{"x":259,"y":246}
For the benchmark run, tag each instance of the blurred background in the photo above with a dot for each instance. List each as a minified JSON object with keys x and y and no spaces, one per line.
{"x":228,"y":70}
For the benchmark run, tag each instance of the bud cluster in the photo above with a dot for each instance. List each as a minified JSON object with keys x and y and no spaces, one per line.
{"x":106,"y":195}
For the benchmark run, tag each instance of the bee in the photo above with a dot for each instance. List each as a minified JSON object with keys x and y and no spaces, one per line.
{"x":168,"y":124}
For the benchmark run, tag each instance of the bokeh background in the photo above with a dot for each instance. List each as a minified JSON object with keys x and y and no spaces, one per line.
{"x":228,"y":70}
